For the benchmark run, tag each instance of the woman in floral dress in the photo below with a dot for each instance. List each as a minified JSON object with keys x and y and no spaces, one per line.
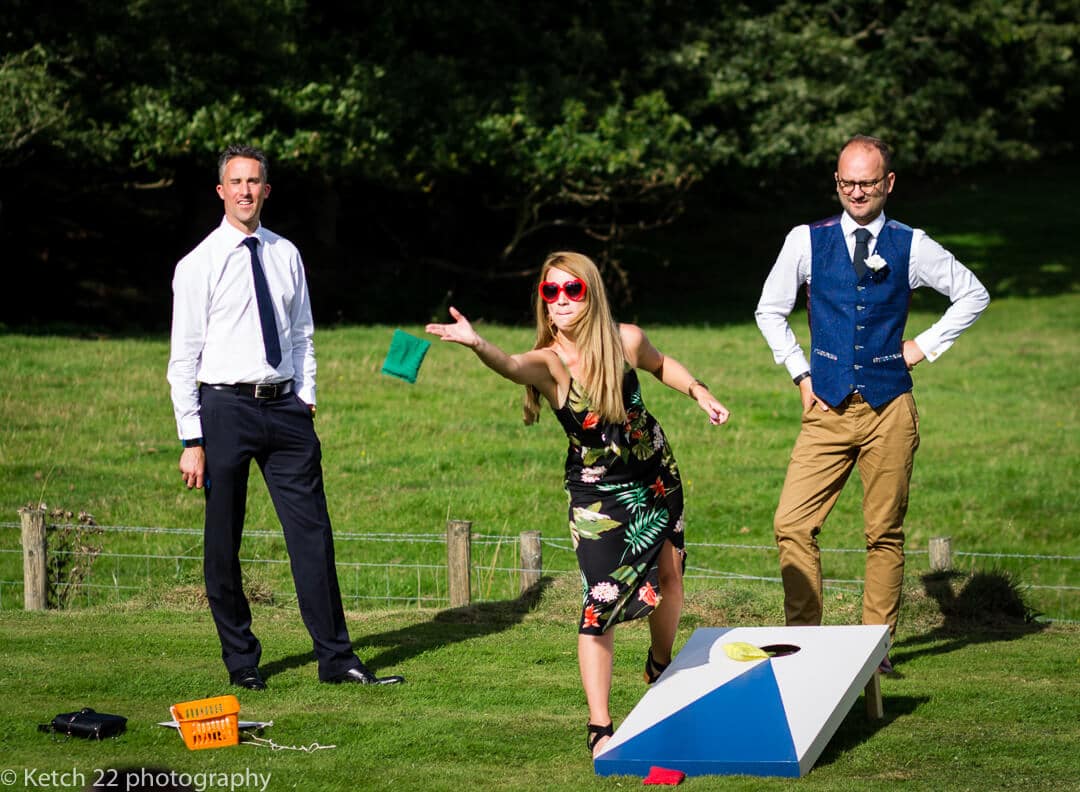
{"x":626,"y":501}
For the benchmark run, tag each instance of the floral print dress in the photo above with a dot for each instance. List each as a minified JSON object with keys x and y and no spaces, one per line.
{"x":625,"y":500}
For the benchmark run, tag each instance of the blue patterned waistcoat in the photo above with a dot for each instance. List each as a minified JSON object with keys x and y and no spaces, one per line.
{"x":857,"y":326}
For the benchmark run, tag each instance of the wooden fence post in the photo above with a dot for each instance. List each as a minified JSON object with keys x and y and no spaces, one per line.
{"x":941,"y":554}
{"x":531,"y":560}
{"x":459,"y":562}
{"x":34,"y":555}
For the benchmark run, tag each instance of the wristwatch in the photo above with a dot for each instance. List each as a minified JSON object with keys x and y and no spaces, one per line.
{"x":801,"y":377}
{"x":192,"y":442}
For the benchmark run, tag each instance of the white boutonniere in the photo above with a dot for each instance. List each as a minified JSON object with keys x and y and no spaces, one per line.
{"x":876,"y":263}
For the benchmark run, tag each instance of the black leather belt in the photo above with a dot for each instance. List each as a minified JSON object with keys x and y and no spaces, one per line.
{"x":263,"y":390}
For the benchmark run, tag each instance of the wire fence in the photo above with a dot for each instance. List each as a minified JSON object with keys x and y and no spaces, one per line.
{"x":410,"y":570}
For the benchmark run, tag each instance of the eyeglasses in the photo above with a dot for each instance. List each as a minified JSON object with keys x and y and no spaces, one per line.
{"x":848,"y":187}
{"x":574,"y":290}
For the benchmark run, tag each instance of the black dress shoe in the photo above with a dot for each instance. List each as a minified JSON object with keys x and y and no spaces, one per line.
{"x":362,"y":676}
{"x":249,"y":678}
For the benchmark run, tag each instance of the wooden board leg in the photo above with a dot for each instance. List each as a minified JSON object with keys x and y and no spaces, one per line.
{"x":875,"y":710}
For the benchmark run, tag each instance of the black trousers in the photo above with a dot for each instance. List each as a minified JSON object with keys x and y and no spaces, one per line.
{"x":279,"y":434}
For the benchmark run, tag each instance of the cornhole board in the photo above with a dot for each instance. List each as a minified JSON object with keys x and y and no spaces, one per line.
{"x":712,"y":715}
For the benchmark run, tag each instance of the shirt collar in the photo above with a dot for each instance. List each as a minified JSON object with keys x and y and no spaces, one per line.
{"x":848,"y":225}
{"x":235,"y":236}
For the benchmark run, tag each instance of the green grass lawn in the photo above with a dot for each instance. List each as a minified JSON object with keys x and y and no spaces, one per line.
{"x":87,"y":425}
{"x":492,"y":698}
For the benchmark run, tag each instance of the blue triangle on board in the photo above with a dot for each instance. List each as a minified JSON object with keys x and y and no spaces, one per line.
{"x":738,"y":728}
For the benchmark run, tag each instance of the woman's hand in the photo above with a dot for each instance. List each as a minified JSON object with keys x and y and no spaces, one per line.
{"x":460,"y":332}
{"x":718,"y":413}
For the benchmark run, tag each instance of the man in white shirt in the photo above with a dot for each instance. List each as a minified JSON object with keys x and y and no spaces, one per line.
{"x":859,"y":269}
{"x":242,"y":373}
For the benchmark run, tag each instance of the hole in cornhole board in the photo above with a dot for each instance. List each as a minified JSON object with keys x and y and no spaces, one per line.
{"x":780,"y":650}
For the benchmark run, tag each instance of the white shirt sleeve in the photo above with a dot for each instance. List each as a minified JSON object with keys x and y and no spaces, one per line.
{"x":790,"y":272}
{"x":190,"y":301}
{"x":932,"y":265}
{"x":303,"y":331}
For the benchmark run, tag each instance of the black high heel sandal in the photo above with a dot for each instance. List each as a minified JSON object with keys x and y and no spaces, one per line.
{"x":596,"y":733}
{"x":653,"y":669}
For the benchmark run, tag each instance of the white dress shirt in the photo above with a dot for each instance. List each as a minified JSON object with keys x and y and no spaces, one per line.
{"x":929,"y":265}
{"x":216,"y":333}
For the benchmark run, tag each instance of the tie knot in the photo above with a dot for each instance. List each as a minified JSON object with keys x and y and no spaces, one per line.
{"x":252,"y":243}
{"x":862,"y":235}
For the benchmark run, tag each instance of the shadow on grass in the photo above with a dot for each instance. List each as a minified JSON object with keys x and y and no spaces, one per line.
{"x":857,"y":727}
{"x":988,"y":607}
{"x":446,"y":627}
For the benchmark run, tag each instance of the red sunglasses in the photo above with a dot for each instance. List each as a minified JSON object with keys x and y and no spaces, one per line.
{"x":574,"y":290}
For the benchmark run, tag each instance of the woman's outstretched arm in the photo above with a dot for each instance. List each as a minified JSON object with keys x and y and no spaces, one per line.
{"x":528,"y":368}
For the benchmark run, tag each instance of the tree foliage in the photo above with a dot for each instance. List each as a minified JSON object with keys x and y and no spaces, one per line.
{"x":481,"y":132}
{"x":31,"y":104}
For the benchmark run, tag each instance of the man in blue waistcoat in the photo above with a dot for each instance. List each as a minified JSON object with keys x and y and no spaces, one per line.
{"x":859,"y":269}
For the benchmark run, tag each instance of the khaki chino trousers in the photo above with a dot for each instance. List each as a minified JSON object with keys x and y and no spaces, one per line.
{"x":882,"y":443}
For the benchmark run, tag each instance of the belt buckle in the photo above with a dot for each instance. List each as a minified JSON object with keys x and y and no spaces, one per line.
{"x":268,"y":390}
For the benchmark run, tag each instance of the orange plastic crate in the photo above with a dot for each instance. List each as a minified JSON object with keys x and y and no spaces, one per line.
{"x":209,"y":722}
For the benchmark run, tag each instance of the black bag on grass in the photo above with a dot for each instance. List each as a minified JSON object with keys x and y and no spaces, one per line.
{"x":87,"y":723}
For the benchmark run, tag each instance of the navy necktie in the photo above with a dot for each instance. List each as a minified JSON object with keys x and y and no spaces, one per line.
{"x":266,"y":308}
{"x":862,"y":250}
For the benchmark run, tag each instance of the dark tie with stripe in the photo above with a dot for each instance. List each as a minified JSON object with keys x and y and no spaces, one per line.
{"x":862,"y":250}
{"x":266,"y":307}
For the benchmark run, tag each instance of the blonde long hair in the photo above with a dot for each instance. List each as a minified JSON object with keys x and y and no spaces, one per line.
{"x":600,"y":350}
